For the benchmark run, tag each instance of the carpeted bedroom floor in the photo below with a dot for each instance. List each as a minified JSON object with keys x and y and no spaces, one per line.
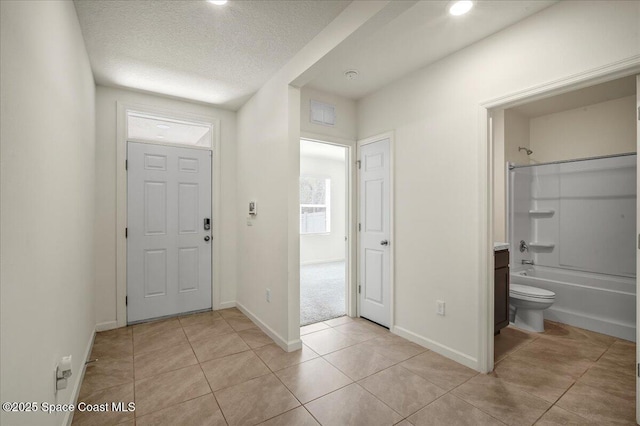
{"x":322,"y":292}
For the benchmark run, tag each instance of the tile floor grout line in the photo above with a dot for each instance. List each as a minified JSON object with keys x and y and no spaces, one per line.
{"x":471,"y":403}
{"x":327,"y":394}
{"x":205,"y":377}
{"x":292,"y":394}
{"x":311,"y":414}
{"x":391,"y":408}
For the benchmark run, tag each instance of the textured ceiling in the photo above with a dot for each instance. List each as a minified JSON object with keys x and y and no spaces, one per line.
{"x":196,"y":50}
{"x":421,"y":35}
{"x":579,"y":98}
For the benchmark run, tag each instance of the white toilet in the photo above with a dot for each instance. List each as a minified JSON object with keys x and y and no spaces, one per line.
{"x":528,"y":303}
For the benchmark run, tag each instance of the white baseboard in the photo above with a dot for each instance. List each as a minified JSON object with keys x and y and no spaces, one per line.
{"x":108,"y":325}
{"x":318,"y":262}
{"x":76,"y":390}
{"x":288,"y":346}
{"x":227,"y":305}
{"x":443,"y":350}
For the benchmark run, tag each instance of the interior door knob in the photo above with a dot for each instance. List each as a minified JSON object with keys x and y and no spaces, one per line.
{"x":384,"y":243}
{"x":207,"y":238}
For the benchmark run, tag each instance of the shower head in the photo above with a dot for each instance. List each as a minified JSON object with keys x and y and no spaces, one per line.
{"x":529,"y":152}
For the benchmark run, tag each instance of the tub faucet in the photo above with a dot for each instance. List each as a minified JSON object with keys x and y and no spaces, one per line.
{"x":527,"y":262}
{"x":523,"y":246}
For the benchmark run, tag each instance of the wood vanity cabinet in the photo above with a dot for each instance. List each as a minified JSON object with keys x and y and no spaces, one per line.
{"x":501,"y":290}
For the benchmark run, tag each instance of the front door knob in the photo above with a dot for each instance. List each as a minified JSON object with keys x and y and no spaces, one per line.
{"x":207,"y":238}
{"x":384,"y":243}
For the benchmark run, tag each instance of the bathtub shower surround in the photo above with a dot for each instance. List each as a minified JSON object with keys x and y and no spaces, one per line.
{"x":578,"y":220}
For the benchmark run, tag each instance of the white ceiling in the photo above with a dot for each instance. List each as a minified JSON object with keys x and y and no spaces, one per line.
{"x":196,"y":50}
{"x":322,"y":150}
{"x":603,"y":92}
{"x":419,"y":36}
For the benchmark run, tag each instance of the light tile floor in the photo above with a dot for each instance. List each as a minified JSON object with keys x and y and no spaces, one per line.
{"x":217,"y":368}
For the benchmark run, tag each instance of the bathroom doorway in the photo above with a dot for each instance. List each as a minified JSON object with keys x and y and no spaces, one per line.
{"x":324,"y":224}
{"x":564,"y":197}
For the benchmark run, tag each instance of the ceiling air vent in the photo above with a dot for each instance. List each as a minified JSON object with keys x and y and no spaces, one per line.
{"x":322,"y":113}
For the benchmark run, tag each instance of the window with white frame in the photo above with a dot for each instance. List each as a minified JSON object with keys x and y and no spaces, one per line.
{"x":315,"y":205}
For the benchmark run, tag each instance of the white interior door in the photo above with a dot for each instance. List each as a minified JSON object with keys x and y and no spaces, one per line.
{"x":375,"y":232}
{"x":168,"y":247}
{"x":638,"y":254}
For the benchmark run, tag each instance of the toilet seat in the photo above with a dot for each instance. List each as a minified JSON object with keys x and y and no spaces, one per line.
{"x":530,"y":293}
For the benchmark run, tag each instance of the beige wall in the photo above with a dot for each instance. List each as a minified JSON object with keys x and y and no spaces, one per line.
{"x":516,"y":134}
{"x":499,"y":177}
{"x":105,"y":226}
{"x":47,"y":195}
{"x":605,"y":128}
{"x":510,"y":132}
{"x":436,"y":126}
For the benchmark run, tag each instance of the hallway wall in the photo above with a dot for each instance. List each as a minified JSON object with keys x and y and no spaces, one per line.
{"x":47,"y":123}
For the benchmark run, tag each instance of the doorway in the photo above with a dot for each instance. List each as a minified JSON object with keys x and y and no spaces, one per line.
{"x":167,"y":208}
{"x":375,"y":254}
{"x":169,"y":231}
{"x":558,"y":233}
{"x":324,"y":224}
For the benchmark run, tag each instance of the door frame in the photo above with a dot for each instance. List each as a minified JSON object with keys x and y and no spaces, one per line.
{"x":581,"y":80}
{"x":121,"y":196}
{"x":350,"y":224}
{"x":392,"y":148}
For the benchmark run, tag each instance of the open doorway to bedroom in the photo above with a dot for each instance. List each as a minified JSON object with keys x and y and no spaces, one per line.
{"x":323,"y":231}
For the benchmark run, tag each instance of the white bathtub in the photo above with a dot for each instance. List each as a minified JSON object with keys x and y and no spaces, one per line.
{"x":602,"y":303}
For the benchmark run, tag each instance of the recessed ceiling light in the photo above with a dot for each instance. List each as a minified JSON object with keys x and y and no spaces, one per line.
{"x":160,"y":137}
{"x":162,"y":126}
{"x":218,"y":2}
{"x":460,"y":7}
{"x":351,"y":74}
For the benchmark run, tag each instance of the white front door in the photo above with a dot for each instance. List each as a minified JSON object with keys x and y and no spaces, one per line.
{"x":168,"y":247}
{"x":375,"y":232}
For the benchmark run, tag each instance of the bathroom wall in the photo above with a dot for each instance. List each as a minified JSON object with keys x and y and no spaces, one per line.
{"x":500,"y":177}
{"x":604,"y":128}
{"x":516,"y":134}
{"x":510,"y":131}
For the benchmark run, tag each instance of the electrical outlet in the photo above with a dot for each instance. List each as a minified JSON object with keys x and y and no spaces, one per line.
{"x":267,"y":295}
{"x":440,"y":307}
